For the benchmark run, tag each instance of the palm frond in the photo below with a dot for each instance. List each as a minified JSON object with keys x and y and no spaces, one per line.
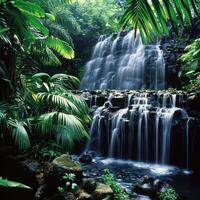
{"x":29,"y":8}
{"x":80,"y":103}
{"x":59,"y":31}
{"x":56,"y":100}
{"x":19,"y":134}
{"x":67,"y":128}
{"x":152,"y":17}
{"x":60,"y":46}
{"x":67,"y":81}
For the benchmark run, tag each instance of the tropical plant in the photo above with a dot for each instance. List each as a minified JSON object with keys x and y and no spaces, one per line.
{"x":59,"y":21}
{"x":19,"y":25}
{"x":69,"y":184}
{"x":190,"y":69}
{"x":11,"y":126}
{"x":152,"y":17}
{"x":44,"y":151}
{"x":8,"y":183}
{"x":46,"y":106}
{"x":119,"y":193}
{"x":169,"y":194}
{"x":23,"y":30}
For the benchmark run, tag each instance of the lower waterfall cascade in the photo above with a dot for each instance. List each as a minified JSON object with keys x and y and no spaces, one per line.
{"x":140,"y":126}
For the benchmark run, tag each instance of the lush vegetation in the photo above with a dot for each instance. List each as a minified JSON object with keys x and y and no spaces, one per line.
{"x":69,"y":183}
{"x":44,"y":44}
{"x":190,"y":69}
{"x":169,"y":194}
{"x":119,"y":193}
{"x":152,"y":17}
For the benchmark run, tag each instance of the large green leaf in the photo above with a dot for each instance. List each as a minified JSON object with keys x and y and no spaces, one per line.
{"x":66,"y":127}
{"x":151,"y":17}
{"x":8,"y":183}
{"x":19,"y":134}
{"x":30,"y":8}
{"x":60,"y":46}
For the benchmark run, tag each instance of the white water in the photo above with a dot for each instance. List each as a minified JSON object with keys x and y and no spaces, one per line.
{"x":124,"y":63}
{"x":138,"y":133}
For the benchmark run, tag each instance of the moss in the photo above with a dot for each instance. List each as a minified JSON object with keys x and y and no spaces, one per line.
{"x":65,"y":161}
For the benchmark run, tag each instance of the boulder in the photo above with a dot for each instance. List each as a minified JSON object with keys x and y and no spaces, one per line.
{"x":89,"y":185}
{"x":149,"y":186}
{"x":61,"y":165}
{"x":84,"y":195}
{"x":62,"y":196}
{"x":102,"y":191}
{"x":21,"y":171}
{"x":85,"y":158}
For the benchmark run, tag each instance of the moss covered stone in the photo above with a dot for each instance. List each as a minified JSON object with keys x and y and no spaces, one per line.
{"x":63,"y":164}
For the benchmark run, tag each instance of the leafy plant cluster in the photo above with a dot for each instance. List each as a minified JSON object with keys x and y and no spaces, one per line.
{"x":190,"y":69}
{"x":45,"y":108}
{"x":169,"y":194}
{"x":44,"y":151}
{"x":69,"y":184}
{"x":152,"y":17}
{"x":119,"y":193}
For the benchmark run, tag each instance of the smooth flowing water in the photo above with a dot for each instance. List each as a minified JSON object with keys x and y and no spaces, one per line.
{"x":120,"y":62}
{"x":147,"y":127}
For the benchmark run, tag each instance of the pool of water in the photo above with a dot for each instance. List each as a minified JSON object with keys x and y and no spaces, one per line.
{"x":127,"y":174}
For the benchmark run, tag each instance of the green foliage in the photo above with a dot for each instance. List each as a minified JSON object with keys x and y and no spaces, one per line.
{"x":152,"y":17}
{"x":45,"y":106}
{"x":96,"y":17}
{"x":14,"y":127}
{"x":44,"y":151}
{"x":69,"y":177}
{"x":8,"y":183}
{"x":69,"y":184}
{"x":169,"y":194}
{"x":190,"y":69}
{"x":119,"y":193}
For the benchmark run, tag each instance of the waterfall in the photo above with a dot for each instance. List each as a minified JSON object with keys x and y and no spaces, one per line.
{"x":140,"y":128}
{"x":127,"y":124}
{"x":120,"y":62}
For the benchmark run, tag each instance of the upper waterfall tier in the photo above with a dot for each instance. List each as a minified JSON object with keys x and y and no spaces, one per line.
{"x":120,"y":62}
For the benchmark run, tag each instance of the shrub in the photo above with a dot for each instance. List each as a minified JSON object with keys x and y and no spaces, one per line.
{"x":119,"y":193}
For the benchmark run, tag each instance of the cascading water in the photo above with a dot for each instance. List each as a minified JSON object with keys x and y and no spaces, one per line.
{"x":124,"y":63}
{"x":130,"y":124}
{"x":143,"y":129}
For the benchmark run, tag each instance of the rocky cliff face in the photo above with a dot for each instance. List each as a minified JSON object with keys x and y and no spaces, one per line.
{"x":173,"y":47}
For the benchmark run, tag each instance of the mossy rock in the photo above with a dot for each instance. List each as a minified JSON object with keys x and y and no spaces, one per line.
{"x":61,"y":165}
{"x":102,"y":191}
{"x":66,"y":163}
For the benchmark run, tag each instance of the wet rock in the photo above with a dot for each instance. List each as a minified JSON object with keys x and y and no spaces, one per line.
{"x":32,"y":166}
{"x":62,"y":196}
{"x":84,"y":195}
{"x":14,"y":169}
{"x":63,"y":164}
{"x":118,"y":101}
{"x":41,"y":191}
{"x":86,"y":158}
{"x":89,"y":185}
{"x":100,"y":100}
{"x":102,"y":191}
{"x":149,"y":186}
